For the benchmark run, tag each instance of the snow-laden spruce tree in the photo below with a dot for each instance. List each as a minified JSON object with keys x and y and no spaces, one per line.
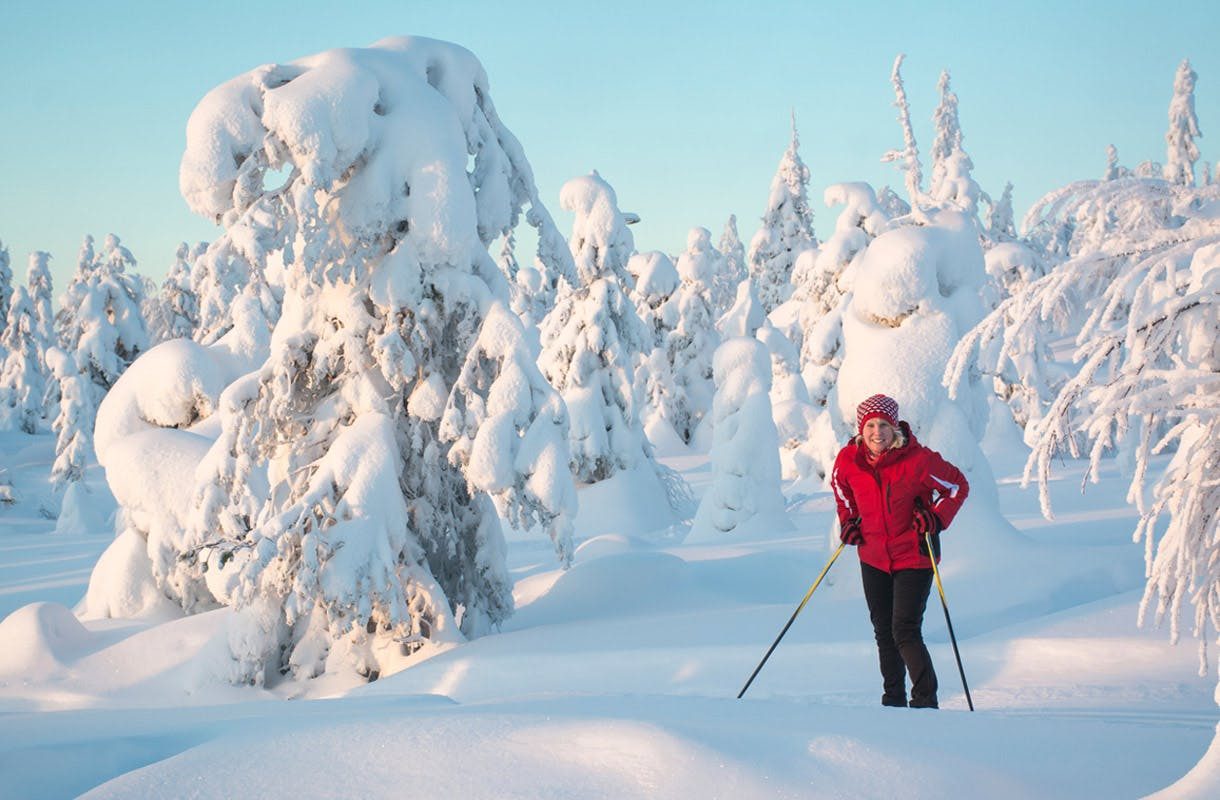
{"x":951,"y":183}
{"x":860,"y":222}
{"x":1001,"y":226}
{"x":745,"y":316}
{"x":400,"y":395}
{"x":914,"y":294}
{"x":73,"y":425}
{"x":786,"y":230}
{"x":108,"y":330}
{"x":733,"y":269}
{"x":906,"y":159}
{"x":42,"y":292}
{"x":21,"y":372}
{"x":745,"y":488}
{"x":593,"y":337}
{"x":692,"y":342}
{"x":1181,"y":151}
{"x":175,"y":308}
{"x":6,"y":282}
{"x":948,"y":134}
{"x":655,"y":279}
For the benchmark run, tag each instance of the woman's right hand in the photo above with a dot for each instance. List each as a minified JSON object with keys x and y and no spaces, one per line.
{"x":850,"y":533}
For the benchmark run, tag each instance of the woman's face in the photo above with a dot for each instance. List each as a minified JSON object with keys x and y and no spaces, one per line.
{"x":878,"y":435}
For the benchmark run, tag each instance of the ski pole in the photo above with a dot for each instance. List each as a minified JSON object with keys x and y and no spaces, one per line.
{"x":940,"y":588}
{"x":792,"y":619}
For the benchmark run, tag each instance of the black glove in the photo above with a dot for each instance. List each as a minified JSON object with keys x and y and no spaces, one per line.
{"x":926,"y":521}
{"x":849,"y":532}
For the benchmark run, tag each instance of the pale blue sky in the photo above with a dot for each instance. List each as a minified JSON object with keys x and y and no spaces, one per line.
{"x":683,"y":107}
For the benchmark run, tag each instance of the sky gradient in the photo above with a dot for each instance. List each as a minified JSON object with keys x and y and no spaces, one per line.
{"x":683,"y":108}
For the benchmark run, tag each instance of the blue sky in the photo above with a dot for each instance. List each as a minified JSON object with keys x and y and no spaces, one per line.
{"x":683,"y":107}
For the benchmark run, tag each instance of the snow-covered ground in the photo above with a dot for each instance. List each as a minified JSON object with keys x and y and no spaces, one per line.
{"x":618,"y":678}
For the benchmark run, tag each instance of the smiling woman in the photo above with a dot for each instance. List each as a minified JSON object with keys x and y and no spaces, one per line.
{"x":891,"y":494}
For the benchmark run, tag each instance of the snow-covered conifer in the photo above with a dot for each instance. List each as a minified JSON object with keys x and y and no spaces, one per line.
{"x":1181,"y":150}
{"x":745,"y":316}
{"x":21,"y":376}
{"x":951,"y":182}
{"x":376,"y":533}
{"x":861,"y":220}
{"x":733,"y":270}
{"x":907,"y":158}
{"x":693,"y":341}
{"x":1001,"y":226}
{"x":74,"y":424}
{"x":1114,"y":170}
{"x":175,"y":308}
{"x":593,"y":337}
{"x":745,"y":485}
{"x":655,"y":282}
{"x":786,"y":230}
{"x":38,"y":280}
{"x":107,"y":330}
{"x":67,"y":332}
{"x":948,"y":139}
{"x":600,"y":242}
{"x":6,"y":282}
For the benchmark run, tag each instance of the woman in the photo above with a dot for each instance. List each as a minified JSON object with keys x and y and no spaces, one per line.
{"x":891,"y":491}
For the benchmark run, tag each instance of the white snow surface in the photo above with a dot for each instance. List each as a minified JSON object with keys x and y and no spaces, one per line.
{"x":618,"y":677}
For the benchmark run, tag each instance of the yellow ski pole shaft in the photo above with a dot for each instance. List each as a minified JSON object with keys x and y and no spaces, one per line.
{"x":940,"y":588}
{"x":791,"y":619}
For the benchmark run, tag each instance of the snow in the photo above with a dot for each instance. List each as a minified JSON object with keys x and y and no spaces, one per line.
{"x":618,"y":676}
{"x":340,"y":590}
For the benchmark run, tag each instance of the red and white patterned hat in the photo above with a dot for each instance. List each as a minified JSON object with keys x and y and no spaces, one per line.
{"x":876,"y":406}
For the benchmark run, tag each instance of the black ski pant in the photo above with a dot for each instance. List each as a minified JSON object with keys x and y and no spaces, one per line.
{"x":896,"y":602}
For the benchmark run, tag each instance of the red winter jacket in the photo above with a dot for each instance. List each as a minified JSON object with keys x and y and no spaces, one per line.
{"x":883,"y":496}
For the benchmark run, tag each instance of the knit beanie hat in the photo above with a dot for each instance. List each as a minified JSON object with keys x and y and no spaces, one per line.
{"x":876,"y":406}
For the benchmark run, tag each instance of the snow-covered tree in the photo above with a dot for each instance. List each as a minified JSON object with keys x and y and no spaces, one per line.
{"x":745,"y":485}
{"x":948,"y":138}
{"x":1181,"y":150}
{"x":786,"y":230}
{"x":73,"y":425}
{"x":38,"y":280}
{"x":1001,"y":226}
{"x":693,"y":340}
{"x":655,"y":280}
{"x":67,"y":331}
{"x":108,"y":330}
{"x":732,"y":270}
{"x":745,"y":316}
{"x":951,"y":182}
{"x":600,"y":242}
{"x":907,"y":159}
{"x":915,"y":293}
{"x":21,"y":375}
{"x":861,"y":220}
{"x":6,"y":282}
{"x":593,"y":337}
{"x":399,"y":398}
{"x":175,"y":308}
{"x":1114,"y":170}
{"x":229,"y":266}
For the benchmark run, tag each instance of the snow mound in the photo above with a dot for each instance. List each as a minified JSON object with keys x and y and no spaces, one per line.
{"x":631,"y":502}
{"x":37,"y":638}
